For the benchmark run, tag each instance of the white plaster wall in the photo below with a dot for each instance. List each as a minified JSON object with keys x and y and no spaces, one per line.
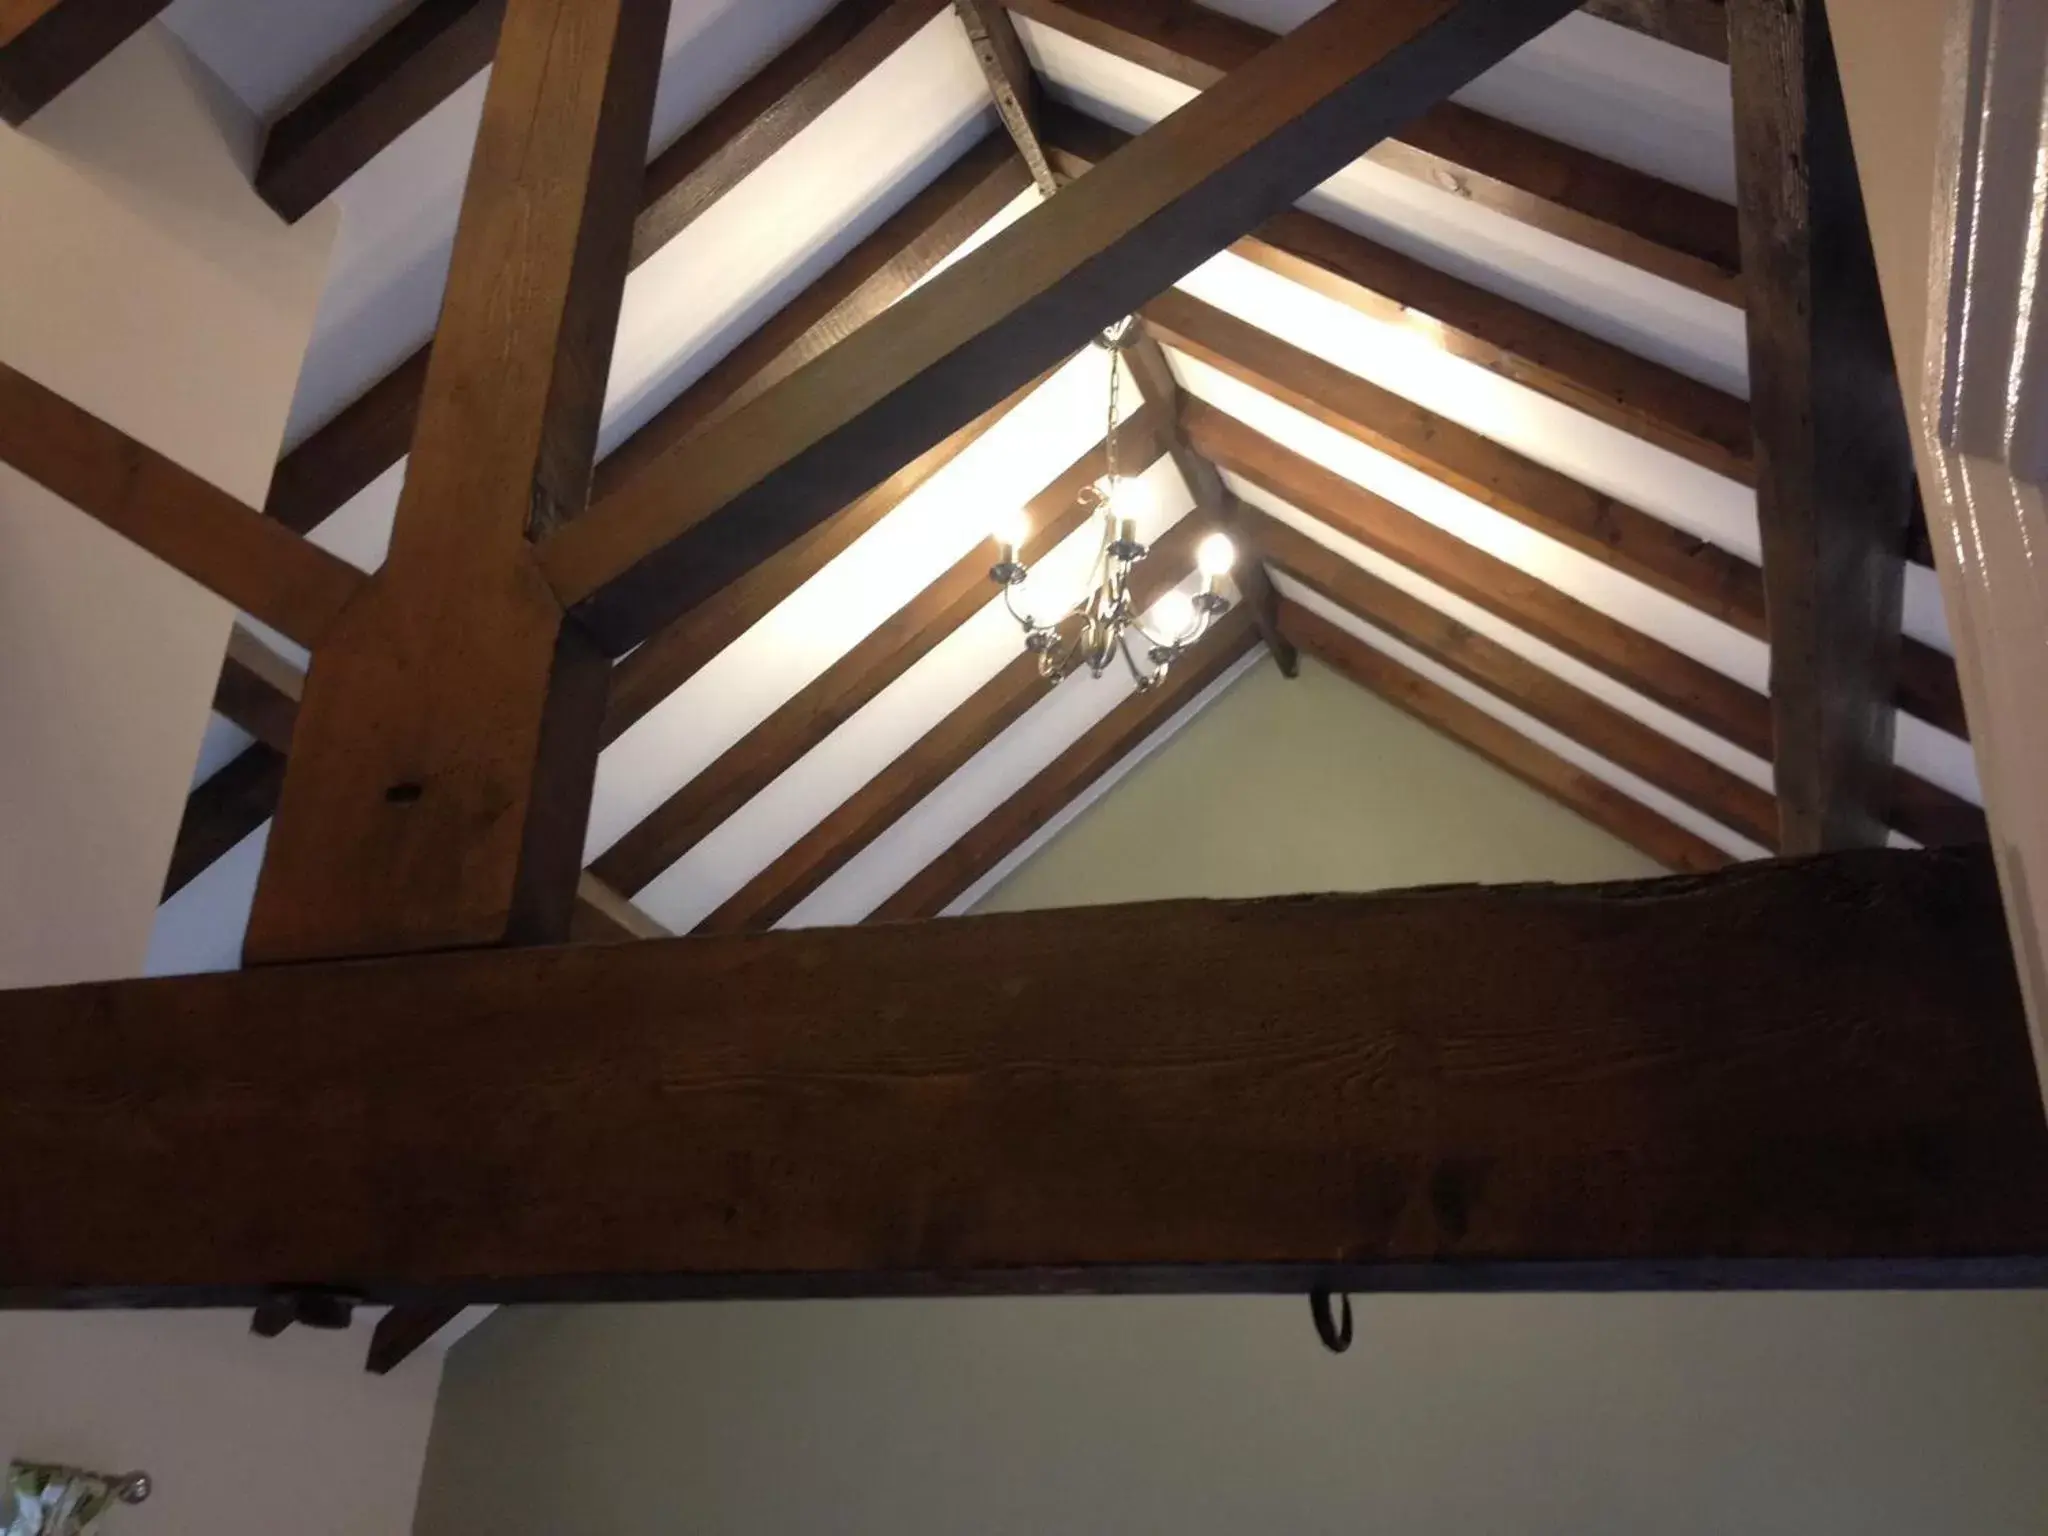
{"x":141,"y":278}
{"x":242,"y":1436}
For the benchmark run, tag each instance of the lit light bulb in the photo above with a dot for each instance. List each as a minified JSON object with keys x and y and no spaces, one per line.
{"x":1216,"y":555}
{"x":1174,"y":614}
{"x":1011,"y":530}
{"x":1132,"y":501}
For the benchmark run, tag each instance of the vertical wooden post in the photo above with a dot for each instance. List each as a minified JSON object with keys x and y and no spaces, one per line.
{"x":1834,"y":455}
{"x":444,"y":753}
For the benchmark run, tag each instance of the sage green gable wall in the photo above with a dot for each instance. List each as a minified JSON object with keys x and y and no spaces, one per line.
{"x":1309,"y":785}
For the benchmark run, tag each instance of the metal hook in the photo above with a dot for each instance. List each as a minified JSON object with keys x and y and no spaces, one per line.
{"x":1334,"y":1331}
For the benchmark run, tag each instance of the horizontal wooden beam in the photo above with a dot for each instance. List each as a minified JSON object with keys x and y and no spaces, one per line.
{"x":1232,"y":157}
{"x":852,"y":682}
{"x":1813,"y":1072}
{"x":46,"y":45}
{"x":927,"y":763}
{"x":373,"y":432}
{"x":1670,"y":231}
{"x":1623,"y":740}
{"x":232,"y":550}
{"x":1055,"y":787}
{"x":1697,"y":26}
{"x":228,"y":805}
{"x":1584,"y":794}
{"x":1710,"y":699}
{"x":1645,"y":399}
{"x":1597,"y":525}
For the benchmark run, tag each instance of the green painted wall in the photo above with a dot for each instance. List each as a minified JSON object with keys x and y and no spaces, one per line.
{"x":1309,"y":785}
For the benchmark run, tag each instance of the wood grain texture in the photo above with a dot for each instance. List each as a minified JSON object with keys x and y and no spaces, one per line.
{"x":365,"y":439}
{"x":1834,"y":452}
{"x":1674,"y":233}
{"x":1711,"y":579}
{"x":1623,"y":740}
{"x":367,"y":104}
{"x":1056,"y":786}
{"x":1811,"y":1073}
{"x":1012,"y":84}
{"x":444,"y":752}
{"x":1235,"y":155}
{"x":1642,"y":398}
{"x":926,"y":764}
{"x":1583,"y":793}
{"x":852,"y":682}
{"x":191,"y":525}
{"x":1697,"y":26}
{"x":46,"y":45}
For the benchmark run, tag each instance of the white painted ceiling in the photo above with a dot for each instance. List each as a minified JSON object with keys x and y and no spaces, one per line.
{"x":1596,"y":86}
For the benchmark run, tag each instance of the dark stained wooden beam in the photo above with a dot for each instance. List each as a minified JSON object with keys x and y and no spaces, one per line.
{"x":1697,"y":26}
{"x":258,"y":690}
{"x":838,"y":693}
{"x":1809,"y":1073}
{"x":1835,"y":487}
{"x":442,"y":760}
{"x":1709,"y":578}
{"x":363,"y":108}
{"x":1598,"y":726}
{"x":1642,"y":398}
{"x":1571,"y":786}
{"x":1056,"y":786}
{"x":226,"y":807}
{"x":604,"y":916}
{"x":372,"y":433}
{"x":926,"y":764}
{"x":1666,"y":230}
{"x":402,"y":1331}
{"x":1207,"y":175}
{"x":1011,"y":82}
{"x":191,"y":525}
{"x":46,"y":45}
{"x":1212,"y":498}
{"x":1698,"y":693}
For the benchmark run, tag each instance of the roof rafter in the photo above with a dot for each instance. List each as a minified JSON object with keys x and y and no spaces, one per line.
{"x":1697,"y":26}
{"x":46,"y":45}
{"x":1583,"y":793}
{"x":1679,"y":235}
{"x":191,"y":525}
{"x":1230,"y":158}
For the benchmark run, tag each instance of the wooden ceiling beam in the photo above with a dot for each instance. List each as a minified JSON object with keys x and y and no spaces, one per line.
{"x":1669,"y":231}
{"x":228,"y":805}
{"x":1011,"y":82}
{"x":1645,"y":399}
{"x":442,"y":762}
{"x":1061,"y":782}
{"x":47,"y":45}
{"x":1697,"y":26}
{"x":1235,"y":155}
{"x":1678,"y":564}
{"x":191,"y":525}
{"x":1623,"y":740}
{"x":838,"y":693}
{"x":1696,"y":692}
{"x":258,"y":690}
{"x":1806,"y":1073}
{"x":1835,"y":498}
{"x":926,"y":764}
{"x":1578,"y":791}
{"x":372,"y":433}
{"x":438,"y":46}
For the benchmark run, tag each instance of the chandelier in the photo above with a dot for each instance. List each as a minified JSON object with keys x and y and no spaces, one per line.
{"x":1103,"y":622}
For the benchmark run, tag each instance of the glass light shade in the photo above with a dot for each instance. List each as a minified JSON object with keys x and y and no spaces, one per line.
{"x":1216,"y":555}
